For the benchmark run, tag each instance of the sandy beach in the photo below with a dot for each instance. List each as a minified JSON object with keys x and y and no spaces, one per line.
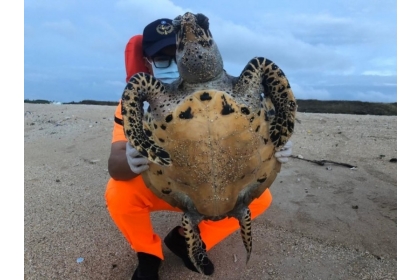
{"x":325,"y":222}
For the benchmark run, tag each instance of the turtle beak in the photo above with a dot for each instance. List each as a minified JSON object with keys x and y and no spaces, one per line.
{"x":203,"y":21}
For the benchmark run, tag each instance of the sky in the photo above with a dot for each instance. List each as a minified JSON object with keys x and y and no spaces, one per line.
{"x":328,"y":49}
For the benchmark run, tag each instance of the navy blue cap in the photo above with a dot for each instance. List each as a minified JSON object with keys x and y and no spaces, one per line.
{"x":158,"y":35}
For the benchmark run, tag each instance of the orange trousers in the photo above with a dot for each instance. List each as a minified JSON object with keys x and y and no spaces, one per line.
{"x":130,"y":203}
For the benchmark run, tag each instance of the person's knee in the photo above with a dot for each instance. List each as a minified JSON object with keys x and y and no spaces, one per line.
{"x":120,"y":196}
{"x":266,"y":198}
{"x":259,"y":205}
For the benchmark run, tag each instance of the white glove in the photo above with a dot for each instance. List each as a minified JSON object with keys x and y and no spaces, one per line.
{"x":284,"y":153}
{"x":135,"y":160}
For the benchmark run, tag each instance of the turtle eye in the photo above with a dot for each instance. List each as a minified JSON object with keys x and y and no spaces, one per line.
{"x":203,"y":21}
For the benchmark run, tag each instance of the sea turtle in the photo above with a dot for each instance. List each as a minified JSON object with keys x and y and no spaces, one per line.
{"x":210,"y":137}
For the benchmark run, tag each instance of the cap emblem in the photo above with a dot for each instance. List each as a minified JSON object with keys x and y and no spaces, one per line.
{"x":164,"y":28}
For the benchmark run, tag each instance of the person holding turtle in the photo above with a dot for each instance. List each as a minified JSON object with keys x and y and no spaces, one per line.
{"x":128,"y":199}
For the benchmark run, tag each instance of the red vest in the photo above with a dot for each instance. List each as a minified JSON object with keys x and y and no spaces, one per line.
{"x":134,"y":57}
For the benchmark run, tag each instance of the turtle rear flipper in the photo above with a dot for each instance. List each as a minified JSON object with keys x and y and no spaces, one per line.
{"x":195,"y":247}
{"x":245,"y":223}
{"x":261,"y":73}
{"x":140,"y":88}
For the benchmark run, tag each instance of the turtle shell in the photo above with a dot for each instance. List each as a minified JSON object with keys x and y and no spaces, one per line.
{"x":217,"y":148}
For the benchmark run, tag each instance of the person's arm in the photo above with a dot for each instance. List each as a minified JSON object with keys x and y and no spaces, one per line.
{"x":285,"y":152}
{"x":124,"y":165}
{"x":118,"y":166}
{"x":125,"y":162}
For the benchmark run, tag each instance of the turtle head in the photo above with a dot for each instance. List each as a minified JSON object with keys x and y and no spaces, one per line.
{"x":197,"y":54}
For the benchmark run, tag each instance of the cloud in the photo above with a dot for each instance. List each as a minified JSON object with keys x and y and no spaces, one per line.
{"x":374,"y":96}
{"x":48,"y":5}
{"x":304,"y":92}
{"x":114,"y":83}
{"x":149,"y":12}
{"x":326,"y":29}
{"x":327,"y":49}
{"x":63,"y":27}
{"x":378,"y":73}
{"x":384,"y":62}
{"x":238,"y":44}
{"x":37,"y":77}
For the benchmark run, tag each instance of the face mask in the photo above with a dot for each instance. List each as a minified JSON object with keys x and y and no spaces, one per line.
{"x":166,"y":75}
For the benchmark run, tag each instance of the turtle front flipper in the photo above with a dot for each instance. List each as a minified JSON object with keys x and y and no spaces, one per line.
{"x":263,"y":74}
{"x":195,"y":246}
{"x":142,"y":87}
